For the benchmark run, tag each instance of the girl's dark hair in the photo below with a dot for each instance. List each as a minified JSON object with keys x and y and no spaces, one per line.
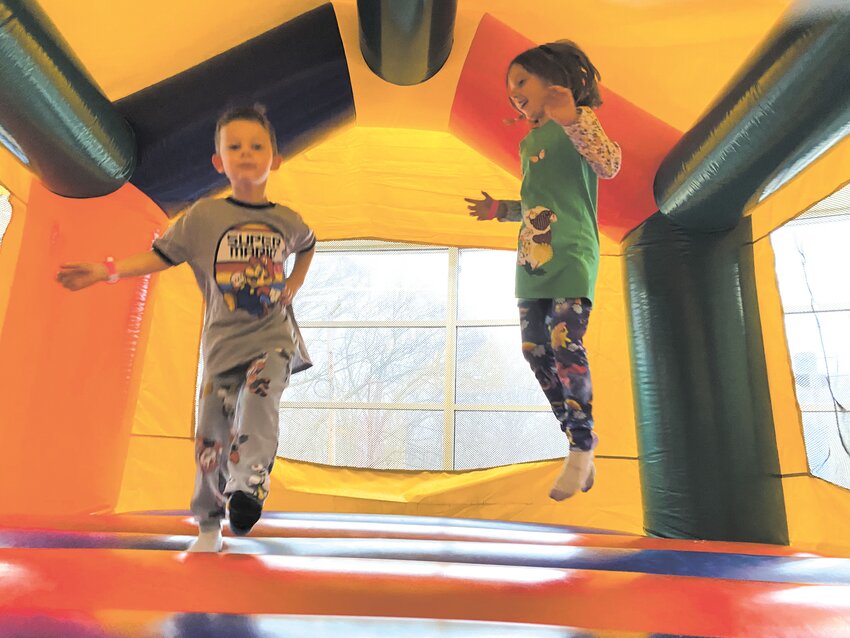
{"x":565,"y":64}
{"x":255,"y":113}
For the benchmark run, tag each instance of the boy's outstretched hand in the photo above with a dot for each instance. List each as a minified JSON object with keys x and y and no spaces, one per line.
{"x":480,"y":208}
{"x":81,"y":275}
{"x":560,"y":105}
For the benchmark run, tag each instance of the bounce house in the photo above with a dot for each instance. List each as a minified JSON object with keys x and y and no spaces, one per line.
{"x":410,"y":492}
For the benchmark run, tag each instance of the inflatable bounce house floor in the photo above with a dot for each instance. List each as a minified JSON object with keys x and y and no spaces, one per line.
{"x":359,"y":575}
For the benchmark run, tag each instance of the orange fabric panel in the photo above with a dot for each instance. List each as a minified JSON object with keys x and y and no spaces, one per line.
{"x":71,"y":360}
{"x":166,"y":403}
{"x":481,"y":106}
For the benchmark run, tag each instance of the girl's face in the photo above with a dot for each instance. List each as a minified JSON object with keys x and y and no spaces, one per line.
{"x":528,"y":93}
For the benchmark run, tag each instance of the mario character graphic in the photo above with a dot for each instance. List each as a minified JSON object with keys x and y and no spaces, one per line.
{"x":249,"y":269}
{"x":535,"y":238}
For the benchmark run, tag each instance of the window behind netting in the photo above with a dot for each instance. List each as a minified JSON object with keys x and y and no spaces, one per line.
{"x":417,"y":363}
{"x":813,"y":271}
{"x":5,"y":212}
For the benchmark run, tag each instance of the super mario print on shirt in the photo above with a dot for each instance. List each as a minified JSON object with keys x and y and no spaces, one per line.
{"x":237,"y":253}
{"x":249,"y":268}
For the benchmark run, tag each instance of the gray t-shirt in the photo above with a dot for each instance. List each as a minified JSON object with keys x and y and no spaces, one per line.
{"x":237,"y":252}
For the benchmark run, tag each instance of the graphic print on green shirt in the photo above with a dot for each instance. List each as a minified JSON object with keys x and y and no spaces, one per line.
{"x":558,"y":245}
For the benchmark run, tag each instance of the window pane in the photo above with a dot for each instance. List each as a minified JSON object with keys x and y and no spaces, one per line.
{"x":819,"y":345}
{"x":486,"y":285}
{"x":5,"y":212}
{"x":403,"y":285}
{"x":379,"y":439}
{"x":487,"y":439}
{"x":811,"y":267}
{"x":399,"y":372}
{"x":376,"y":365}
{"x":812,"y":262}
{"x":492,"y":371}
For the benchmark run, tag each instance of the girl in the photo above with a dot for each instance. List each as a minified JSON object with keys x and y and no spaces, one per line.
{"x":554,"y":87}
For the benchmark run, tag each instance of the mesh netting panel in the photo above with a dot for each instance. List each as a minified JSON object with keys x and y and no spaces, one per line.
{"x":486,"y":439}
{"x":378,"y":321}
{"x":492,"y":371}
{"x":382,"y":285}
{"x":367,"y":438}
{"x":812,"y":262}
{"x":828,"y":445}
{"x":5,"y":213}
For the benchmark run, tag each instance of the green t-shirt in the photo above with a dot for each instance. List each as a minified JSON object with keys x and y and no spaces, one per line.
{"x":558,"y":247}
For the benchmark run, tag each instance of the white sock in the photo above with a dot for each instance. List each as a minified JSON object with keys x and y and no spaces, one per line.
{"x":207,"y":541}
{"x":578,"y":474}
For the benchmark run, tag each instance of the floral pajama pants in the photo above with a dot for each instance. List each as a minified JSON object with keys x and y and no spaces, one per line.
{"x":552,"y":333}
{"x":237,"y":435}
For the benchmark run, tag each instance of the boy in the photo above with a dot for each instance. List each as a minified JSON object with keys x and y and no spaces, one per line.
{"x":251,"y":344}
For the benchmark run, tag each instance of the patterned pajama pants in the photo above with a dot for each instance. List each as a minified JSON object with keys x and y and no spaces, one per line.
{"x":237,"y":434}
{"x":552,"y":333}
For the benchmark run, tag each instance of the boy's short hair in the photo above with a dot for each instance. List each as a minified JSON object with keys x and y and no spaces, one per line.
{"x":255,"y":113}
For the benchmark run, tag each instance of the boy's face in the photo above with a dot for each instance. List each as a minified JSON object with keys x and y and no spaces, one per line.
{"x":245,"y":154}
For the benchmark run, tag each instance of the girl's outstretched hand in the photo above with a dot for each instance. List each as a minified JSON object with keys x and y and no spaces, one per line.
{"x":480,"y":208}
{"x":560,"y":105}
{"x":81,"y":275}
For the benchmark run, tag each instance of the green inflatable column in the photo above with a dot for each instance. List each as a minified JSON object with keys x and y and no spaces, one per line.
{"x":708,"y":456}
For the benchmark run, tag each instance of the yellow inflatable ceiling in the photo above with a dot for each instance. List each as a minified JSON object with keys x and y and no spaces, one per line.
{"x":668,"y":57}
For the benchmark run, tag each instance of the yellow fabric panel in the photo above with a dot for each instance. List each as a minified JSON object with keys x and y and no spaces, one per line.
{"x":783,"y":398}
{"x":610,"y":363}
{"x":820,"y":180}
{"x":398,"y":185}
{"x":159,"y":474}
{"x":166,"y":402}
{"x":128,"y":45}
{"x":14,"y":176}
{"x":514,"y":493}
{"x":395,"y":184}
{"x":667,"y":56}
{"x":818,"y":512}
